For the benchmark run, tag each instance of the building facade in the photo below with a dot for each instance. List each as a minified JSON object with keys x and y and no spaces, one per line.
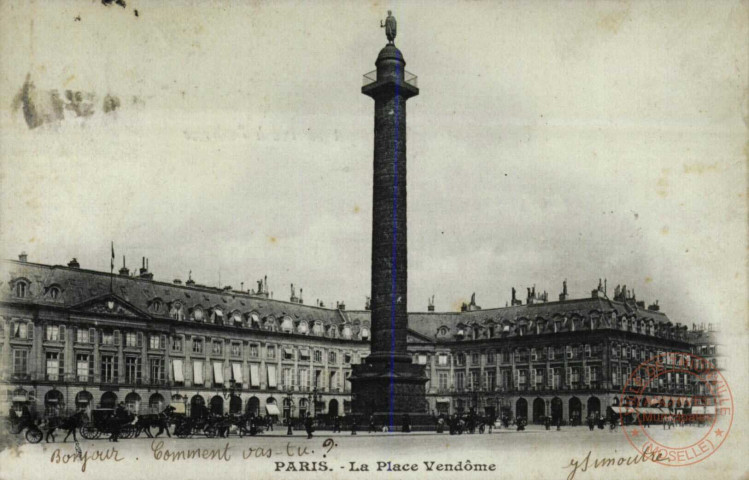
{"x":74,"y":338}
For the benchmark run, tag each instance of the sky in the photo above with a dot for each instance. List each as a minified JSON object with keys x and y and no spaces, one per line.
{"x":550,"y":141}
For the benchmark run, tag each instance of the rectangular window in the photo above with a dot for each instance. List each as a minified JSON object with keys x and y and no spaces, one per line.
{"x":475,"y":380}
{"x":551,"y":353}
{"x":474,"y":359}
{"x":107,"y":338}
{"x":157,"y":370}
{"x":588,"y":351}
{"x":506,"y":356}
{"x":490,"y":357}
{"x":108,"y":368}
{"x":197,"y":372}
{"x":197,"y":345}
{"x":347,"y":358}
{"x":421,"y":359}
{"x":270,"y":351}
{"x":254,"y":350}
{"x":460,"y":381}
{"x":177,"y":372}
{"x":522,"y":377}
{"x":81,"y":335}
{"x":272,"y":380}
{"x":218,"y":373}
{"x":176,"y":344}
{"x":132,"y":370}
{"x":217,"y":347}
{"x":288,"y":353}
{"x":331,"y":358}
{"x":442,"y":380}
{"x":534,"y":355}
{"x":131,"y":339}
{"x":154,"y":342}
{"x":318,"y":356}
{"x":442,"y":360}
{"x":303,"y":379}
{"x":460,"y":359}
{"x":569,"y":352}
{"x":288,"y":378}
{"x":491,"y":380}
{"x":21,"y":330}
{"x":236,"y":373}
{"x":53,"y":366}
{"x":83,"y":366}
{"x":254,"y":375}
{"x":236,"y":349}
{"x":52,"y":333}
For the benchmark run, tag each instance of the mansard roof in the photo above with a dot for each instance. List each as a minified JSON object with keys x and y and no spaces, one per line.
{"x":79,"y":286}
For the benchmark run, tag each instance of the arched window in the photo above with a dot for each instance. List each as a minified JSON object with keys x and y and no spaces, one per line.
{"x":287,"y":325}
{"x":346,"y":332}
{"x":54,"y":292}
{"x":21,"y":289}
{"x":176,"y":311}
{"x":156,"y":305}
{"x":197,"y":314}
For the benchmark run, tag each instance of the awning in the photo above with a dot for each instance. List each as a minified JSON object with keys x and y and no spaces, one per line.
{"x":288,"y":351}
{"x":272,"y":376}
{"x":20,"y":398}
{"x":254,"y":375}
{"x":218,"y":372}
{"x":178,"y":407}
{"x":443,"y":400}
{"x":304,"y":353}
{"x":177,"y":367}
{"x":623,"y":410}
{"x":51,"y":400}
{"x":649,"y":410}
{"x":236,"y":371}
{"x":197,"y":372}
{"x":272,"y":409}
{"x":218,"y":313}
{"x":698,"y":410}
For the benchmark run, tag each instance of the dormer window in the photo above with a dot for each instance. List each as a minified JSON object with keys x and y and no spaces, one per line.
{"x":217,"y":316}
{"x":346,"y":332}
{"x":287,"y":325}
{"x":197,"y":314}
{"x":54,"y":293}
{"x":156,"y":306}
{"x":21,"y":289}
{"x":317,"y":329}
{"x":365,"y":333}
{"x":176,"y":311}
{"x":254,"y":320}
{"x":303,"y":328}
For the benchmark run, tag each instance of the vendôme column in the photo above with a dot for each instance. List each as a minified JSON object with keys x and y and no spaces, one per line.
{"x":388,"y":385}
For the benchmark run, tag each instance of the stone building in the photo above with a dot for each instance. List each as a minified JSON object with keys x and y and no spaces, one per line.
{"x":72,"y":337}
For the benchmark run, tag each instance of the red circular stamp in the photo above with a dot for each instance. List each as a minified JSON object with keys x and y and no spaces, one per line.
{"x":676,"y":408}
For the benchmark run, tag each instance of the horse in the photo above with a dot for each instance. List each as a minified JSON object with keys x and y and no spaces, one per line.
{"x":69,"y":424}
{"x":160,"y":420}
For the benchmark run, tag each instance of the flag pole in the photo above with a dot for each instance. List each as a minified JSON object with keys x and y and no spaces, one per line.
{"x":111,"y":271}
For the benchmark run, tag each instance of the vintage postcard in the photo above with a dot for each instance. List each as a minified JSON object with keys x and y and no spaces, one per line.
{"x":387,"y":240}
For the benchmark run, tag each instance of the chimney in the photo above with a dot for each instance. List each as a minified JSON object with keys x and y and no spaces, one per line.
{"x":563,"y":296}
{"x":190,"y":282}
{"x":654,"y":307}
{"x":177,"y":281}
{"x":640,"y":304}
{"x":342,"y":306}
{"x":144,"y":273}
{"x":367,"y":304}
{"x":301,"y":291}
{"x":430,"y":304}
{"x":124,"y":271}
{"x":74,"y":263}
{"x":23,"y":257}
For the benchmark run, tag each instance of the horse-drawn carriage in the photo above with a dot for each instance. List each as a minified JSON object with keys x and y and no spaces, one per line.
{"x":217,"y":426}
{"x":104,"y":422}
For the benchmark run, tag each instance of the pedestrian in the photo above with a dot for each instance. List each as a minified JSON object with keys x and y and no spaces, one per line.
{"x":559,"y":423}
{"x":406,"y":423}
{"x":547,"y":422}
{"x":372,"y":424}
{"x":337,"y":424}
{"x":269,"y":422}
{"x":308,"y":426}
{"x":440,"y":425}
{"x":353,"y":426}
{"x":591,"y":424}
{"x":288,"y":429}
